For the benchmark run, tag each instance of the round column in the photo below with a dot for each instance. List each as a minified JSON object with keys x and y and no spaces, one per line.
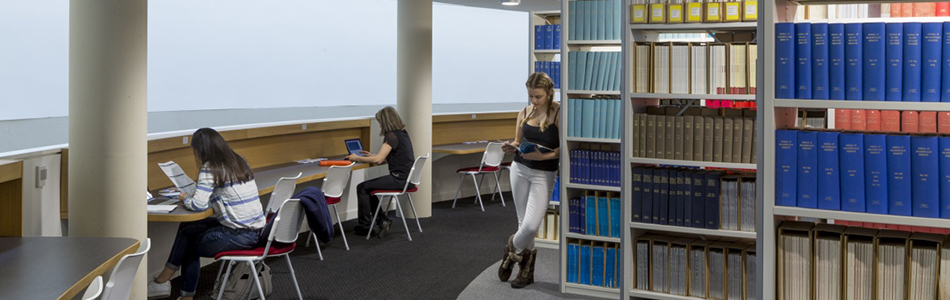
{"x":414,"y":87}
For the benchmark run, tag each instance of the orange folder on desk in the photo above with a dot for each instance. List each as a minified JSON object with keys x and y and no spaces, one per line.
{"x":326,"y":163}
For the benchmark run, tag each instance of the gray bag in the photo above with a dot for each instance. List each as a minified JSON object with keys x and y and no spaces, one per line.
{"x":240,"y":283}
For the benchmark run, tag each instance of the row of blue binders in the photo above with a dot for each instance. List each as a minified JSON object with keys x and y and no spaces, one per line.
{"x":594,"y":71}
{"x":597,"y":213}
{"x":595,"y":167}
{"x":906,"y":175}
{"x":552,"y":68}
{"x":659,"y":199}
{"x":876,"y":61}
{"x":593,"y":263}
{"x":547,"y":37}
{"x":594,"y":118}
{"x":595,"y":20}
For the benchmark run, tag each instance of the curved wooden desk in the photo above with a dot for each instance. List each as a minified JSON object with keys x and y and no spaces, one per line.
{"x":460,"y":148}
{"x":57,"y":267}
{"x":180,"y":214}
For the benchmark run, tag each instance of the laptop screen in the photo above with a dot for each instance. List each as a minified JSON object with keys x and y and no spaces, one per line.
{"x":354,"y":146}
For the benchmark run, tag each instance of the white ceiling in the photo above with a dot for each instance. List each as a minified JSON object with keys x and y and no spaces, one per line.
{"x":526,"y":5}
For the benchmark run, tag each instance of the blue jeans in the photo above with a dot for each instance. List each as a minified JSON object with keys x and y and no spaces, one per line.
{"x":204,"y":238}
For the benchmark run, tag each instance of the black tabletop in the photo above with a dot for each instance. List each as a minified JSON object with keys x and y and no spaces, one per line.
{"x":51,"y":267}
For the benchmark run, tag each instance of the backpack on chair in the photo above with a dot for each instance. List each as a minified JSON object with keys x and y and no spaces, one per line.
{"x":240,"y":283}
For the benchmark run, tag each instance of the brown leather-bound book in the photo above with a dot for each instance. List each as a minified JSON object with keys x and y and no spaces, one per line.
{"x":728,"y":125}
{"x":670,"y":135}
{"x":708,"y":132}
{"x":636,"y":135}
{"x":643,"y":135}
{"x":651,"y":136}
{"x":748,"y":127}
{"x":678,"y":137}
{"x":737,"y":136}
{"x":717,"y":139}
{"x":687,"y":137}
{"x":698,"y":129}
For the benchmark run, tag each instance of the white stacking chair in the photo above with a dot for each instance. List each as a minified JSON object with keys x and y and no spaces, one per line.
{"x":283,"y":190}
{"x":120,"y":282}
{"x":333,"y":187}
{"x":491,"y":159}
{"x":415,"y":178}
{"x":287,"y":224}
{"x":94,"y":289}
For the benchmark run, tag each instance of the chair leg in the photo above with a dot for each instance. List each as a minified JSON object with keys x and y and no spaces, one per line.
{"x":478,"y":194}
{"x":413,"y":207}
{"x":293,"y":276}
{"x":404,"y":225}
{"x":498,"y":187}
{"x":310,"y":237}
{"x":217,"y":278}
{"x":461,"y":178}
{"x":373,"y":222}
{"x":340,"y":222}
{"x":224,"y":281}
{"x":317,"y":243}
{"x":260,"y":289}
{"x":481,"y":178}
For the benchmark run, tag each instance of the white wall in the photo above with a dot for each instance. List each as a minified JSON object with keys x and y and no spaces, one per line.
{"x":245,"y":54}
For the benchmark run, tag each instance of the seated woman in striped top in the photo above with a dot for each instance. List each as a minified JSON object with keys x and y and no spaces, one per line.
{"x":226,"y":184}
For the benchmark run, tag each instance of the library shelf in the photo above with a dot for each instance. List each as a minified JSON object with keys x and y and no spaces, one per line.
{"x":844,"y":104}
{"x":590,"y":290}
{"x":691,"y":163}
{"x":693,"y":96}
{"x":547,"y":244}
{"x":590,"y":92}
{"x":547,"y":51}
{"x":574,"y":235}
{"x":659,"y":296}
{"x":592,"y":187}
{"x":693,"y":230}
{"x":594,"y":42}
{"x":731,"y":26}
{"x":860,"y":217}
{"x":593,"y":140}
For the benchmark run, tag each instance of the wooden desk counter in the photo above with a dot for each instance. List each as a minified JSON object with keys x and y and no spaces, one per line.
{"x":266,"y":178}
{"x":460,"y":148}
{"x":56,"y":267}
{"x":180,"y":214}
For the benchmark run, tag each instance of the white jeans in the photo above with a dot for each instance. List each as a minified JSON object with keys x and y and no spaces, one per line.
{"x":532,"y":191}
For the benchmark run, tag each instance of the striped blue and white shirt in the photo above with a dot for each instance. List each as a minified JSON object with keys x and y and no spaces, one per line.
{"x":235,"y":205}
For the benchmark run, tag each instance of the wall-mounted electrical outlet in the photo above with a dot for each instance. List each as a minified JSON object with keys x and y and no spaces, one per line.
{"x":41,"y":175}
{"x":473,"y":116}
{"x":184,"y":140}
{"x":304,"y":127}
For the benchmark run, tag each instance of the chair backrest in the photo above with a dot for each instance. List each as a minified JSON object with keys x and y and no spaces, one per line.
{"x":287,"y":223}
{"x":335,"y":182}
{"x":493,"y":155}
{"x":415,"y":174}
{"x":120,"y":282}
{"x":94,"y":289}
{"x":282,"y":191}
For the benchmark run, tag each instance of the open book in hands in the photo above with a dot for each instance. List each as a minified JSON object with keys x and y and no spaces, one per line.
{"x":528,"y":147}
{"x":178,"y":177}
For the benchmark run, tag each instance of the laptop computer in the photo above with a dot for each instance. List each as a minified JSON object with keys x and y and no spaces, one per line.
{"x":353,"y":146}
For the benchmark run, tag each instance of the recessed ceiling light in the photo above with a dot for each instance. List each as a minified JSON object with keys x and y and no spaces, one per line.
{"x":510,"y":2}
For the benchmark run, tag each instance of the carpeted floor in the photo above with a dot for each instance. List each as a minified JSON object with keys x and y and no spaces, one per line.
{"x":545,"y":287}
{"x":457,"y":245}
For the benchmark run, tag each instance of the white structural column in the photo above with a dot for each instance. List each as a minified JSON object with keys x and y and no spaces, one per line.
{"x":108,"y":121}
{"x":414,"y":87}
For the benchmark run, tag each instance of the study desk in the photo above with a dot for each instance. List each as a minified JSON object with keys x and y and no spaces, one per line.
{"x":180,"y":214}
{"x":460,"y":148}
{"x":56,"y":267}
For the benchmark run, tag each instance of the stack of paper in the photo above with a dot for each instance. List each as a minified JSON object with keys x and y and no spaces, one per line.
{"x":729,"y":202}
{"x":161,"y":208}
{"x":678,"y":267}
{"x":735,"y":275}
{"x":680,"y":61}
{"x":890,"y":268}
{"x":747,"y":203}
{"x":660,"y":267}
{"x":698,"y":72}
{"x":923,"y":271}
{"x":753,"y":62}
{"x":828,"y":269}
{"x":661,"y":69}
{"x":737,"y":69}
{"x":796,"y":265}
{"x":717,"y":266}
{"x":643,"y":60}
{"x":643,"y":265}
{"x":697,"y":272}
{"x":750,"y":275}
{"x":717,"y":69}
{"x":944,"y":282}
{"x":859,"y":270}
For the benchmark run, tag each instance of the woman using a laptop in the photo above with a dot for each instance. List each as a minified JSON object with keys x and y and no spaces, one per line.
{"x":226,"y":178}
{"x":396,"y":151}
{"x":532,"y":175}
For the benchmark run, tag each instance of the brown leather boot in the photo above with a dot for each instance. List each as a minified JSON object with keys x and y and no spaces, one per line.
{"x":508,"y":261}
{"x":526,"y":272}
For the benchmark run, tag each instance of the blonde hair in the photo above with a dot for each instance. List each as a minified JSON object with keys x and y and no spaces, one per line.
{"x":539,"y":80}
{"x":389,"y":120}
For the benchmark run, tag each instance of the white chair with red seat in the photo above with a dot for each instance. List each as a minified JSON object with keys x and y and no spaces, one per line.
{"x":505,"y":166}
{"x":283,"y":190}
{"x":491,"y":159}
{"x":120,"y":282}
{"x":94,"y":289}
{"x":333,"y":187}
{"x":415,"y":178}
{"x":280,"y":242}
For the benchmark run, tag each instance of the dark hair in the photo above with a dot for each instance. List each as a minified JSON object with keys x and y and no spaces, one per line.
{"x":225,"y":165}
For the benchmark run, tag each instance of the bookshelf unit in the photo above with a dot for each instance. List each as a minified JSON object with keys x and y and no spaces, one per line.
{"x":536,"y":18}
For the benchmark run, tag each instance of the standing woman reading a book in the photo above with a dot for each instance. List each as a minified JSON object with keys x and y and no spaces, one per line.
{"x":225,"y":184}
{"x":396,"y":151}
{"x":536,"y":148}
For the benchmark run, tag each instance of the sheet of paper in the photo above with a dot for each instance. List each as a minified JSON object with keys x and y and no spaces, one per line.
{"x":178,"y":177}
{"x":161,"y":208}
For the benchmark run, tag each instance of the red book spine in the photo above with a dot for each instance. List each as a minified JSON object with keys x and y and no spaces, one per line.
{"x":943,"y":122}
{"x":895,"y":10}
{"x":890,"y":121}
{"x":843,"y":119}
{"x":909,"y":121}
{"x":907,"y":10}
{"x":927,"y":122}
{"x":859,"y":120}
{"x":943,"y":9}
{"x":874,"y":120}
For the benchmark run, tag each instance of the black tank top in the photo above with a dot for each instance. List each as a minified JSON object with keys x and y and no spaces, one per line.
{"x":549,"y":138}
{"x":400,"y":159}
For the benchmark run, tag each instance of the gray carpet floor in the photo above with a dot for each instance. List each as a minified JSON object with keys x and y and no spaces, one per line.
{"x":487,"y":285}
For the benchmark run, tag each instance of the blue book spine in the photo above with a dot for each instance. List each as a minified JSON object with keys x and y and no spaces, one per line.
{"x":925,"y":188}
{"x":573,"y":24}
{"x":582,"y":215}
{"x":687,"y":188}
{"x":572,"y":259}
{"x":676,"y":218}
{"x":601,"y":18}
{"x":661,"y":208}
{"x":571,"y":126}
{"x":875,"y":173}
{"x":604,"y":117}
{"x":583,"y":78}
{"x":597,"y":266}
{"x":931,"y":50}
{"x":636,"y":193}
{"x":786,"y":147}
{"x":829,"y":180}
{"x":699,"y":200}
{"x":836,"y":60}
{"x":785,"y":60}
{"x":851,"y":155}
{"x":556,"y":74}
{"x":853,"y":75}
{"x":587,"y":128}
{"x":548,"y":36}
{"x":874,"y":61}
{"x":610,"y":275}
{"x":593,"y":63}
{"x":647,"y":201}
{"x":819,"y":61}
{"x":615,"y":217}
{"x":591,"y":215}
{"x":945,"y":68}
{"x":807,"y":176}
{"x":944,"y":164}
{"x":585,"y":167}
{"x":595,"y":116}
{"x":803,"y":80}
{"x":712,"y":200}
{"x":584,"y":266}
{"x":539,"y":37}
{"x":894,"y":55}
{"x":603,"y":216}
{"x":608,"y":20}
{"x":912,"y":43}
{"x":898,"y":175}
{"x":571,"y":69}
{"x":557,"y":37}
